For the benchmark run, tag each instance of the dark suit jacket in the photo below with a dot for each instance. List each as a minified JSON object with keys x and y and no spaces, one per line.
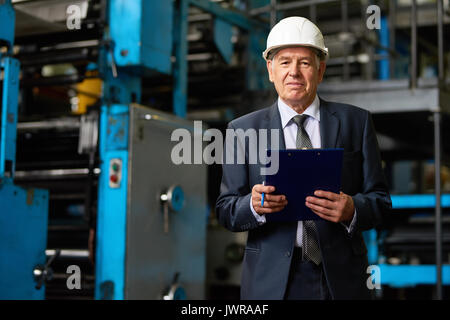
{"x":269,"y":246}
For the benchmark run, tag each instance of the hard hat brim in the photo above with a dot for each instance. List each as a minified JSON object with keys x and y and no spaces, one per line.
{"x":269,"y":53}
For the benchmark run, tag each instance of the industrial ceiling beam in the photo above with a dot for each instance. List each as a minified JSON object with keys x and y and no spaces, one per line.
{"x":234,"y":17}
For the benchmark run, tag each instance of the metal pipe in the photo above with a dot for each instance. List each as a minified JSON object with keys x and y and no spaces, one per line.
{"x":313,"y":13}
{"x":180,"y":71}
{"x":273,"y":13}
{"x":367,"y":68}
{"x":358,"y":58}
{"x":68,"y":253}
{"x":438,"y":216}
{"x":55,"y":174}
{"x":413,"y":44}
{"x":344,"y":13}
{"x":88,"y":202}
{"x":288,"y":6}
{"x":440,"y":25}
{"x":200,"y":17}
{"x":57,"y":56}
{"x":235,"y":17}
{"x":392,"y":24}
{"x":95,"y":43}
{"x":63,"y":123}
{"x":300,"y":4}
{"x":437,"y":147}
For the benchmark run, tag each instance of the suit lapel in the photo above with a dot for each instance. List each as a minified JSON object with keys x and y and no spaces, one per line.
{"x":329,"y":126}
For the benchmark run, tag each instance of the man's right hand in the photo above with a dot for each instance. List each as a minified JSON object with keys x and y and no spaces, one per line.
{"x":272,"y":203}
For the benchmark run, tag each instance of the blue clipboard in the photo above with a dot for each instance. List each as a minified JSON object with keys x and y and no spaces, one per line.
{"x":300,"y":173}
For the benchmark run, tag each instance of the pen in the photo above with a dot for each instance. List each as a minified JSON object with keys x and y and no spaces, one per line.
{"x":262,"y":197}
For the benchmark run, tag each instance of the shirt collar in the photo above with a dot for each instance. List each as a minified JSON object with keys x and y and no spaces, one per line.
{"x":287,"y":113}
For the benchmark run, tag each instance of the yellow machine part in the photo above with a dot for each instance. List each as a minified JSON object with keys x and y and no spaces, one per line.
{"x":88,"y":92}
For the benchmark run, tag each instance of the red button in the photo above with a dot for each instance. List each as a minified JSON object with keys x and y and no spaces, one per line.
{"x":114,"y":178}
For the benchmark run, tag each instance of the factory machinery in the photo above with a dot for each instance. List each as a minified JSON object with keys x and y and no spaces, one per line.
{"x":110,"y":216}
{"x":103,"y":84}
{"x":87,"y":183}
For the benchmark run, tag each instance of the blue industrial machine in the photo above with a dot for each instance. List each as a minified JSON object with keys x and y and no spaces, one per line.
{"x":151,"y":227}
{"x":406,"y":275}
{"x":23,"y":215}
{"x":138,"y":254}
{"x":149,"y":216}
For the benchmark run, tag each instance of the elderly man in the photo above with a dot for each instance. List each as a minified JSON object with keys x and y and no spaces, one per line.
{"x":321,"y":259}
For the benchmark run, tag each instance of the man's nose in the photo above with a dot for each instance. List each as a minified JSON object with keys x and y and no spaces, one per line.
{"x":294,"y":70}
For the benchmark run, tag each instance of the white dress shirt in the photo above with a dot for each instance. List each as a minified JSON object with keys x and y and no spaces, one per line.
{"x":290,"y":128}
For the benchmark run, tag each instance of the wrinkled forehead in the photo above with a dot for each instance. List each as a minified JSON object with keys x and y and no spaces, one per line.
{"x":297,"y":52}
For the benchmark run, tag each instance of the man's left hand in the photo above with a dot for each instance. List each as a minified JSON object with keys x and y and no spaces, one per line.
{"x":332,"y":206}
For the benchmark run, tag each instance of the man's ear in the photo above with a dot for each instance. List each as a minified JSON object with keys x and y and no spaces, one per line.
{"x":269,"y":69}
{"x":322,"y":67}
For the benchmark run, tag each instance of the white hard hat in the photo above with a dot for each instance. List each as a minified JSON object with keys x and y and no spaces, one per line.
{"x":294,"y":32}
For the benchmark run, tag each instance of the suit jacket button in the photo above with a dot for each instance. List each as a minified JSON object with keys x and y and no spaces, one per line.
{"x":288,"y":254}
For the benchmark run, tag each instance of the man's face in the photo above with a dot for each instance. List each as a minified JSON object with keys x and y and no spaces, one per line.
{"x":296,"y":75}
